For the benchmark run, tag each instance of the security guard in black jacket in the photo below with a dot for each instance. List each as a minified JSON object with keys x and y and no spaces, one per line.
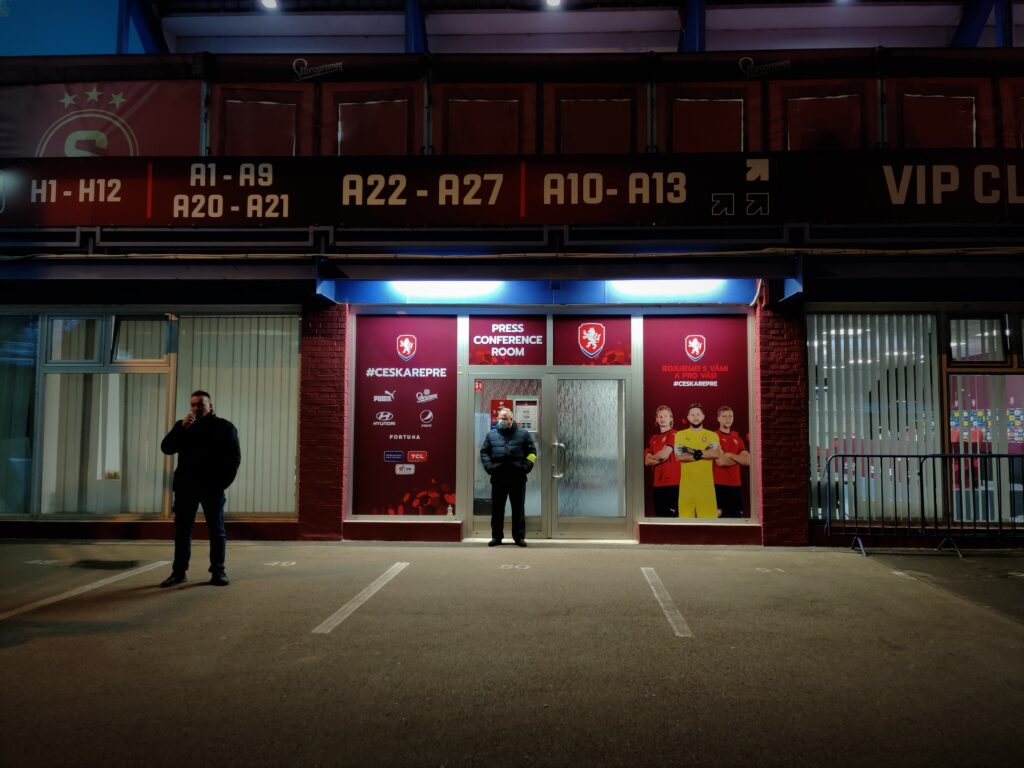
{"x":508,"y":454}
{"x":208,"y":459}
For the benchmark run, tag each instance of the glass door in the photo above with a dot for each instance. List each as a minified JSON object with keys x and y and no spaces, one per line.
{"x":587,"y":457}
{"x":523,"y":396}
{"x":578,"y":486}
{"x":986,"y":423}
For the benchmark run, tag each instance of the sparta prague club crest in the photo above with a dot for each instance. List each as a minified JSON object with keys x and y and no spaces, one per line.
{"x":591,"y":338}
{"x":406,"y":346}
{"x":695,"y":345}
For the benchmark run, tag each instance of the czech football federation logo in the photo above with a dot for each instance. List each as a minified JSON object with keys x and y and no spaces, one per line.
{"x":695,"y":345}
{"x":591,"y":338}
{"x":406,"y":346}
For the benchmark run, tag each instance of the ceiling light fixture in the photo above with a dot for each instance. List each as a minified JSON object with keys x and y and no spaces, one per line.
{"x":665,"y":289}
{"x":270,"y":5}
{"x":553,"y":3}
{"x":442,"y":290}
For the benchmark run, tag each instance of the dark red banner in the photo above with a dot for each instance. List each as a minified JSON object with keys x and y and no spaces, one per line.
{"x":405,"y":415}
{"x":592,"y":340}
{"x":508,"y":340}
{"x":108,"y":119}
{"x":716,"y":190}
{"x":694,"y":361}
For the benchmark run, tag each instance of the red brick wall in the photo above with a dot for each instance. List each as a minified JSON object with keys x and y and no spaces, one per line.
{"x":780,"y":366}
{"x":323,"y":393}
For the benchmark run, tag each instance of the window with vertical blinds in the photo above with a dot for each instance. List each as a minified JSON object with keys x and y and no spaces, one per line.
{"x":873,"y":384}
{"x":250,"y":367}
{"x":101,"y":444}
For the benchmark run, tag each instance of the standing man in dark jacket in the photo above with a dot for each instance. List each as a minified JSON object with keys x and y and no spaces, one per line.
{"x":208,"y":459}
{"x":508,"y":455}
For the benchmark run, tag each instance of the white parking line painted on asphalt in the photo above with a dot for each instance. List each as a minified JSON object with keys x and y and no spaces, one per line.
{"x":82,"y":590}
{"x":675,"y":618}
{"x":352,"y":605}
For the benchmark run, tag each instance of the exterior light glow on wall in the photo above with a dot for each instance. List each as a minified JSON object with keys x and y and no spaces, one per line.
{"x":664,"y":290}
{"x":270,"y":5}
{"x":445,"y":290}
{"x":484,"y":295}
{"x":553,"y":3}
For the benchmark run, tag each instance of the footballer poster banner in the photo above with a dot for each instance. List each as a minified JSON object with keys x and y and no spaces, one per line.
{"x":508,"y":340}
{"x":110,"y":119}
{"x":696,"y":361}
{"x":405,"y":389}
{"x":592,"y":340}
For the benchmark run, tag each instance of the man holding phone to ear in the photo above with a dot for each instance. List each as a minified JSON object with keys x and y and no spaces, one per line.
{"x":208,"y":459}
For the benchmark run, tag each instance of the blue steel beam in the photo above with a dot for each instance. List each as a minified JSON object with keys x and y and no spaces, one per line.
{"x":140,"y":14}
{"x":1004,"y":23}
{"x":972,"y":23}
{"x":123,"y":27}
{"x":692,"y":37}
{"x":415,"y":28}
{"x":147,"y":25}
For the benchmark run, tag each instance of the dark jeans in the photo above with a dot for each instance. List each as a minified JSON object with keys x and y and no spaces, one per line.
{"x":185,"y":507}
{"x":512,"y":488}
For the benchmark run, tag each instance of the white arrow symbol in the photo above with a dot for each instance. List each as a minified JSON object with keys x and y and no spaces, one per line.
{"x":757,"y":204}
{"x":723,"y":204}
{"x":757,"y":170}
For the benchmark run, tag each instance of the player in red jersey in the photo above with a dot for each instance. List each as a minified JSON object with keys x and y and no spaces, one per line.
{"x":660,"y":455}
{"x":728,"y":483}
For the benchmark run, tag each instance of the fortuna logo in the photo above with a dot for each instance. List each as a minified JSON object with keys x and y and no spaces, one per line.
{"x":425,"y":396}
{"x":695,"y":346}
{"x":406,"y":346}
{"x":591,"y":338}
{"x":387,"y":397}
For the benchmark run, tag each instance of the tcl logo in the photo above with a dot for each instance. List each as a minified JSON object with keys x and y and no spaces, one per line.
{"x":416,"y":456}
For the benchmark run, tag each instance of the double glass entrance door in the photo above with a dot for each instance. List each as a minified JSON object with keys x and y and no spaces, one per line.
{"x":577,"y":488}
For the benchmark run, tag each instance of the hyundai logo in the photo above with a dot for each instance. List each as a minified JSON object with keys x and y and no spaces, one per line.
{"x":385,"y":416}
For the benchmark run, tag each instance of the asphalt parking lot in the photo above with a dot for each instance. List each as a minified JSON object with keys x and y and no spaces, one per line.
{"x":462,"y":655}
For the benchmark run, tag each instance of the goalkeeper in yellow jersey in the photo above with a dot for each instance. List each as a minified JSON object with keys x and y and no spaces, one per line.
{"x":696,"y":450}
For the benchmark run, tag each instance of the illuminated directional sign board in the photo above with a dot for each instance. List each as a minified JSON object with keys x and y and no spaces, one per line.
{"x":719,"y":190}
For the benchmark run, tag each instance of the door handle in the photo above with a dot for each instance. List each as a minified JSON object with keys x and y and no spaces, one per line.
{"x":558,"y":467}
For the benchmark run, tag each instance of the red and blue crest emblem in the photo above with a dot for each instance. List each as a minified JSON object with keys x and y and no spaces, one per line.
{"x":405,"y":345}
{"x":591,"y":338}
{"x":695,"y":345}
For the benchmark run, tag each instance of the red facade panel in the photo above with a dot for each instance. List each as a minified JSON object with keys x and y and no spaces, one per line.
{"x":484,"y":119}
{"x":933,"y":113}
{"x":935,"y":122}
{"x":712,"y":117}
{"x":1011,"y":92}
{"x":271,"y":120}
{"x":371,"y":119}
{"x":572,"y":112}
{"x":827,"y":114}
{"x":832,"y":122}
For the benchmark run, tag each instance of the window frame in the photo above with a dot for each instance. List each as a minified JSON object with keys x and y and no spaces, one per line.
{"x":1009,"y":342}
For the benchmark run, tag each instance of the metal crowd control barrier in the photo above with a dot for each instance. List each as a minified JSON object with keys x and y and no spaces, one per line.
{"x":945,"y":496}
